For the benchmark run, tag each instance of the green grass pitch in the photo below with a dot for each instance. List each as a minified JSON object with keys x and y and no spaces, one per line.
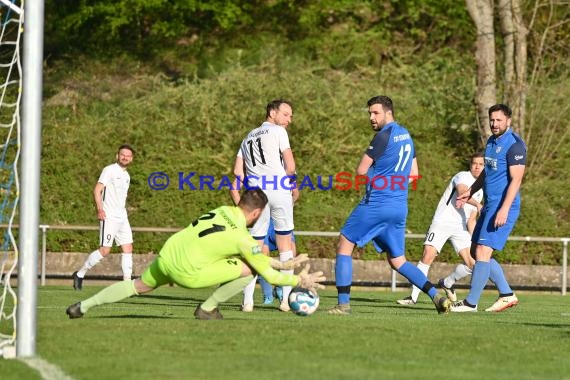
{"x":156,"y":337}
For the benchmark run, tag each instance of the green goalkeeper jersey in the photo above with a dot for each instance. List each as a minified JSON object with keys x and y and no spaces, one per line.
{"x":218,"y":235}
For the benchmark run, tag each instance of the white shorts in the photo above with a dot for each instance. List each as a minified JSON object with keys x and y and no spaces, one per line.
{"x":279,"y":209}
{"x":439,"y":233}
{"x":118,"y":230}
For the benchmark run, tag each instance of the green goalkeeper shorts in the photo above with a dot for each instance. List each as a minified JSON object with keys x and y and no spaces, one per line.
{"x":161,"y":273}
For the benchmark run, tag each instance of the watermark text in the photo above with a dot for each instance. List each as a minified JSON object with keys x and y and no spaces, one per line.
{"x":342,"y":181}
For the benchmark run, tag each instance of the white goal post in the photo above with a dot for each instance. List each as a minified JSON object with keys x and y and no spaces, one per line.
{"x":26,"y":201}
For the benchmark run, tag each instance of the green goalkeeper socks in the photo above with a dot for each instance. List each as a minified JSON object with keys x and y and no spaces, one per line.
{"x":110,"y":294}
{"x":225,"y":292}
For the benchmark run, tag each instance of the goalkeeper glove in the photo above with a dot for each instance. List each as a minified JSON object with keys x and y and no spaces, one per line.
{"x":311,"y":280}
{"x":289,"y":264}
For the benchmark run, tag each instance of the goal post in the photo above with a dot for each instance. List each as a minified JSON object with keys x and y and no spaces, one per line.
{"x":30,"y":179}
{"x":21,"y":60}
{"x":11,"y":26}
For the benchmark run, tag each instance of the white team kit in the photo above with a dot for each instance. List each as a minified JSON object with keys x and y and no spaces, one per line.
{"x":449,"y":222}
{"x":116,"y":224}
{"x":261,"y":153}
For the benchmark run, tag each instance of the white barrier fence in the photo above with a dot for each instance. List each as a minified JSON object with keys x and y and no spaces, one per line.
{"x":45,"y":228}
{"x":563,"y":240}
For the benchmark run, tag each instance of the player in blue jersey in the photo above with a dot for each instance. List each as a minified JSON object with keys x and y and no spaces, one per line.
{"x":389,"y":165}
{"x":505,"y":162}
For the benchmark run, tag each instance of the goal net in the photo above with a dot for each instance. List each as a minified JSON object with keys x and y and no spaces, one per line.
{"x":11,"y":17}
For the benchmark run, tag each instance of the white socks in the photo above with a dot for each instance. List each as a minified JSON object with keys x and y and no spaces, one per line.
{"x":285,"y":256}
{"x":248,"y":292}
{"x":95,"y":257}
{"x":424,"y":268}
{"x":461,"y":271}
{"x":250,"y":288}
{"x":91,"y":261}
{"x":127,"y":265}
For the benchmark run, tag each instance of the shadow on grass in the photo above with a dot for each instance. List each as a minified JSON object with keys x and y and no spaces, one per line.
{"x":384,"y":303}
{"x":373,"y":301}
{"x":548,"y":325}
{"x":189,"y":305}
{"x":138,"y":316}
{"x":161,"y":297}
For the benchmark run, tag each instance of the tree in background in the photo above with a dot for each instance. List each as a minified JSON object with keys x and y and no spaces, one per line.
{"x":514,"y":36}
{"x":536,"y":71}
{"x":514,"y":33}
{"x":547,"y":121}
{"x":199,"y":38}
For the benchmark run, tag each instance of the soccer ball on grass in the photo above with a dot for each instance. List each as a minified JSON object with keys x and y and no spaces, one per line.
{"x":303,"y":302}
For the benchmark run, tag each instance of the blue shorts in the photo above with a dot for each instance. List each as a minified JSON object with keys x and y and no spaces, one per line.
{"x":385,"y":225}
{"x":270,"y":238}
{"x":485,"y":232}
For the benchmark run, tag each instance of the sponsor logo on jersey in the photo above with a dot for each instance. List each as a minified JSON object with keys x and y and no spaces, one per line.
{"x":258,"y":133}
{"x":228,"y":220}
{"x":403,"y":137}
{"x":491,"y":163}
{"x":519,"y":157}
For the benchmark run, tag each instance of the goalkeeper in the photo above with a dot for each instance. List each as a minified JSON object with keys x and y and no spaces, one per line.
{"x":215,"y":249}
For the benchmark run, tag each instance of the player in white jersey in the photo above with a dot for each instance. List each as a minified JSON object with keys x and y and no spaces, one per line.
{"x":110,"y":194}
{"x":456,"y":225}
{"x":265,"y":160}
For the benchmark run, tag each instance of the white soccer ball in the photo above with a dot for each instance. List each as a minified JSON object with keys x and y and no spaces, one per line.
{"x":303,"y":302}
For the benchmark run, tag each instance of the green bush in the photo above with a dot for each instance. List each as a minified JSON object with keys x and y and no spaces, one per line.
{"x":196,"y":126}
{"x":183,"y":81}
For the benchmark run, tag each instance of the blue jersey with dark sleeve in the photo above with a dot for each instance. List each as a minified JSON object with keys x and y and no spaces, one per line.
{"x":501,"y":153}
{"x":392,"y":150}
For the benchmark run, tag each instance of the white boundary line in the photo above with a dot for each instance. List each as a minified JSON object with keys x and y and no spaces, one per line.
{"x":47,"y":370}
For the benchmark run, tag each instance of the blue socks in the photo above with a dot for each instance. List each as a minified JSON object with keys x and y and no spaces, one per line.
{"x":498,"y":277}
{"x":416,"y":277}
{"x":266,"y":287}
{"x":343,"y":277}
{"x":479,"y":277}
